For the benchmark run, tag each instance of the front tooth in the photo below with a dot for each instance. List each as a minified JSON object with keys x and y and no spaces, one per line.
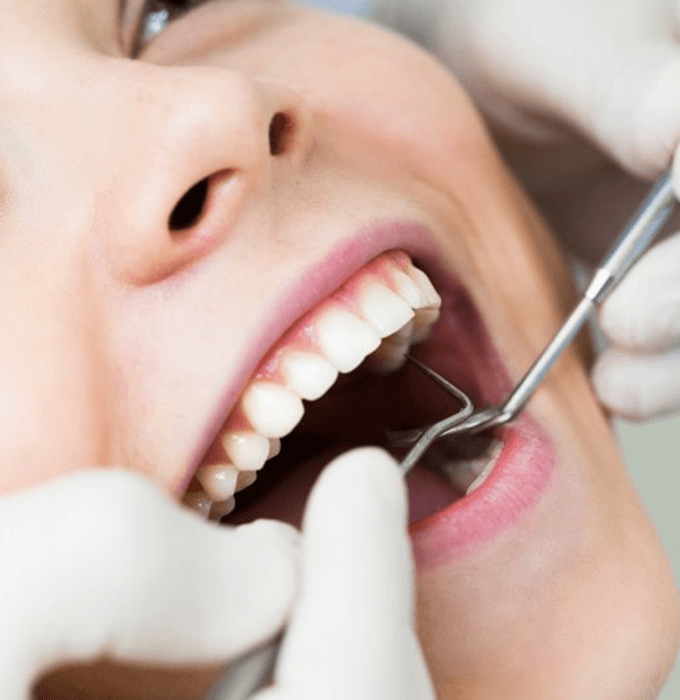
{"x":245,"y":479}
{"x":424,"y":283}
{"x":246,"y":449}
{"x":271,"y":409}
{"x":198,"y":501}
{"x":218,"y":480}
{"x":384,"y":310}
{"x":309,"y":375}
{"x":344,"y":339}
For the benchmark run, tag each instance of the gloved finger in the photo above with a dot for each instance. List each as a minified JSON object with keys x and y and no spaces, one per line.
{"x":103,"y":563}
{"x":351,"y":634}
{"x":638,"y":387}
{"x":643,"y":312}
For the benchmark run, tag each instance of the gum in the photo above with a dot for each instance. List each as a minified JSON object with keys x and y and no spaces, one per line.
{"x":302,"y":336}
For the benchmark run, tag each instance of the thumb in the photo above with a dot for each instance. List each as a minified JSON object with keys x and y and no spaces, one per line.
{"x":351,"y":634}
{"x":102,"y":563}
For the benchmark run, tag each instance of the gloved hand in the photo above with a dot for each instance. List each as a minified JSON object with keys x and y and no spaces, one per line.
{"x":351,"y":634}
{"x":101,"y":563}
{"x":583,"y":97}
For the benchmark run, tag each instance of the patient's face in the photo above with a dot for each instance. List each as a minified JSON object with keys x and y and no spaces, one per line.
{"x":193,"y":239}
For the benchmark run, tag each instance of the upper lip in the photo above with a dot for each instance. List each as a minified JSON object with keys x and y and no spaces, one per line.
{"x":318,"y":281}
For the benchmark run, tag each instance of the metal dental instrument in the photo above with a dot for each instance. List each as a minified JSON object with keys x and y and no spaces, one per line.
{"x":636,"y":237}
{"x":254,"y":670}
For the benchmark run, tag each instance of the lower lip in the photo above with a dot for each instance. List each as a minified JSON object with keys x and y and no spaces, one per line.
{"x":522,"y":474}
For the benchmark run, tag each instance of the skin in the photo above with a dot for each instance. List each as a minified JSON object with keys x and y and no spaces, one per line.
{"x":575,"y":601}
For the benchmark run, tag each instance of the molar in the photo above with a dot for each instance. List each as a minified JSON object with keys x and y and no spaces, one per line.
{"x":198,"y":501}
{"x":407,"y":289}
{"x":222,"y":508}
{"x":274,"y":447}
{"x":391,"y":355}
{"x":245,"y":479}
{"x":422,"y":323}
{"x":423,"y":281}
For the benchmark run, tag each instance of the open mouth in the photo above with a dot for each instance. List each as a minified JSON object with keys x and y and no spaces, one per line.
{"x":345,"y":360}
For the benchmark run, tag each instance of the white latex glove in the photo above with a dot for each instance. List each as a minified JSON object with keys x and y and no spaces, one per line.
{"x":583,"y":97}
{"x":351,"y":634}
{"x":101,"y":563}
{"x":639,"y":376}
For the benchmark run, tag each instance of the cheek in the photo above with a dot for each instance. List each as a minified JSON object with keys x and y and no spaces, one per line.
{"x":366,"y":81}
{"x":53,"y":394}
{"x":50,"y":418}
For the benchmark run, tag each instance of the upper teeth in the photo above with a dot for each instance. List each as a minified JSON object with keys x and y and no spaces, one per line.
{"x":379,"y":313}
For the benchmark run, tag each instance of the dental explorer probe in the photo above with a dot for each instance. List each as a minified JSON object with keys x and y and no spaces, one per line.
{"x":636,"y":237}
{"x":254,"y":670}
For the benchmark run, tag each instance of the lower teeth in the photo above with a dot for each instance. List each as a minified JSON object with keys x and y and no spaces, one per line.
{"x":467,"y":465}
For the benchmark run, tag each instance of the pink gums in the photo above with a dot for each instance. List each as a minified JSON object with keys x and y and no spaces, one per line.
{"x":301,"y":337}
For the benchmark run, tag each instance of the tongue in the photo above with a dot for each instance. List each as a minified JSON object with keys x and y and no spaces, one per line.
{"x":428,"y":493}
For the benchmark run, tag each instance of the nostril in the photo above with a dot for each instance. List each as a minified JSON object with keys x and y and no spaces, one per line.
{"x":188,"y":210}
{"x":280,"y":132}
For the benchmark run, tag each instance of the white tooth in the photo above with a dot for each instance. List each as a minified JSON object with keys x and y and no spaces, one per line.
{"x":344,"y":339}
{"x":271,"y":409}
{"x":246,"y":449}
{"x":428,"y":288}
{"x":309,"y":375}
{"x":408,"y":290}
{"x":222,"y":508}
{"x":488,"y":468}
{"x":198,"y":501}
{"x":463,"y":473}
{"x":388,"y":358}
{"x":422,"y":324}
{"x":218,"y":480}
{"x":402,"y":336}
{"x":245,"y":479}
{"x":274,"y":447}
{"x":385,"y":311}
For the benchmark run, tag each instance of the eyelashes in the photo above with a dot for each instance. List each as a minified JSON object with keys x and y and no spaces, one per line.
{"x":155,"y":17}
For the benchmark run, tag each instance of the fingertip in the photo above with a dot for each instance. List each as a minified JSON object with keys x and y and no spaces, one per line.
{"x":276,"y":530}
{"x":675,"y":170}
{"x":610,"y":379}
{"x":364,"y":479}
{"x":256,"y":581}
{"x":638,"y":387}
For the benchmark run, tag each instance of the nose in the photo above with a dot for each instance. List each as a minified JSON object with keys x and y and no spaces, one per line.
{"x":203,"y":144}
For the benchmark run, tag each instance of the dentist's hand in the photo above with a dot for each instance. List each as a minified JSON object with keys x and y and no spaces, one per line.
{"x":351,"y":634}
{"x":583,"y":97}
{"x":102,"y":564}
